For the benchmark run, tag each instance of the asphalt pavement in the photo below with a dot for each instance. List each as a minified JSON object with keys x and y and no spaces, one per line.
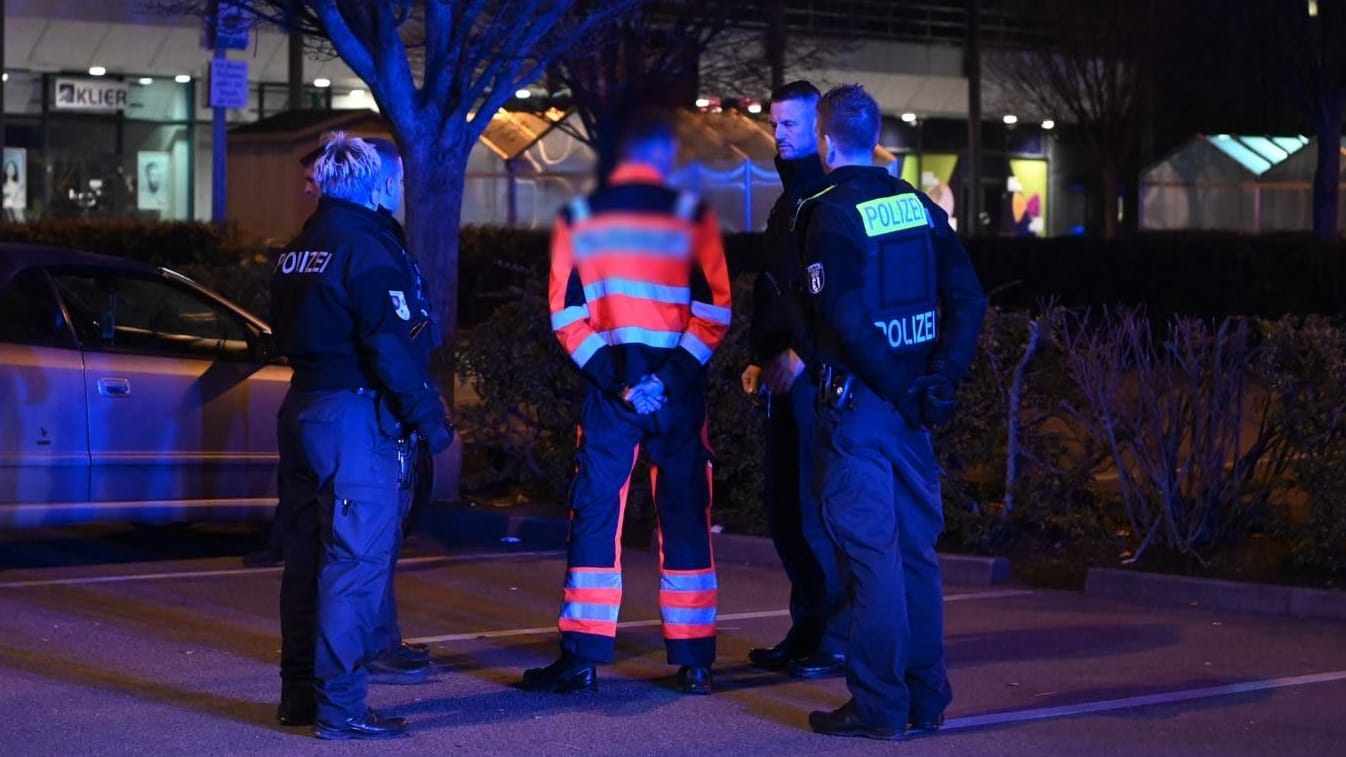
{"x":125,"y":641}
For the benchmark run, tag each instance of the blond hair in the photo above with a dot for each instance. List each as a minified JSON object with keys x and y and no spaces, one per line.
{"x":348,"y":168}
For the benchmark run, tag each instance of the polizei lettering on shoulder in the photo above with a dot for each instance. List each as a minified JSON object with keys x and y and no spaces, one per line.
{"x":894,"y":213}
{"x":304,"y":261}
{"x":909,"y":330}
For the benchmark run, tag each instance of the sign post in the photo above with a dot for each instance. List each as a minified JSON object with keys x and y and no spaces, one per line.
{"x":226,"y":29}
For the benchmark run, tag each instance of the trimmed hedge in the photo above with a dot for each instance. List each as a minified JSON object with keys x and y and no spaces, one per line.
{"x":1203,"y":274}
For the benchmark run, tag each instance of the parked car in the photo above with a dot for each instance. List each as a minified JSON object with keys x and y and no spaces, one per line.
{"x":130,"y":393}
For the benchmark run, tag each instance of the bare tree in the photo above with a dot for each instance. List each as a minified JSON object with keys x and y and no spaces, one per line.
{"x":1305,"y":43}
{"x":666,"y":54}
{"x":439,"y":71}
{"x":1095,"y":71}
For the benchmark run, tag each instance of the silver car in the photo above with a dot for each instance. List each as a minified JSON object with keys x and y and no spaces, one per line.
{"x":131,"y":393}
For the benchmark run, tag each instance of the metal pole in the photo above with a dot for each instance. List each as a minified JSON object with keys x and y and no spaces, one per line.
{"x":747,"y":194}
{"x":219,"y":146}
{"x":969,"y":226}
{"x":2,"y":102}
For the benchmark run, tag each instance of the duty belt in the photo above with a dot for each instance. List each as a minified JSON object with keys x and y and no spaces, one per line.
{"x":835,"y":388}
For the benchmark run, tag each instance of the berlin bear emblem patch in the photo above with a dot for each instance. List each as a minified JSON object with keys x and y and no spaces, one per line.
{"x":816,"y":278}
{"x":400,"y":304}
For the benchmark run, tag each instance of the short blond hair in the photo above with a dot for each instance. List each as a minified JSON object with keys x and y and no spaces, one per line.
{"x":348,"y":167}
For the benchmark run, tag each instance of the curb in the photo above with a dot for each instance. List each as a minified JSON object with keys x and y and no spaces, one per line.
{"x":1252,"y":598}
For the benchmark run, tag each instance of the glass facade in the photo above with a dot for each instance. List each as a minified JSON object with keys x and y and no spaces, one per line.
{"x":79,"y":146}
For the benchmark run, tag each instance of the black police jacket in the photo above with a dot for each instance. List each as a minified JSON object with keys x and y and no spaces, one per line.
{"x":342,"y":305}
{"x":778,"y":321}
{"x":893,"y":293}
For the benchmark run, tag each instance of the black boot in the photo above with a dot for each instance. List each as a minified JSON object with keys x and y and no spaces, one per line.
{"x":773,"y":658}
{"x":370,"y":725}
{"x":568,"y":674}
{"x":694,"y":679}
{"x":298,"y":705}
{"x":845,"y":721}
{"x":819,"y":665}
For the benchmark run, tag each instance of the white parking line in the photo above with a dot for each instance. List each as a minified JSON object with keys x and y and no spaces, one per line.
{"x":1144,"y":700}
{"x":508,"y":632}
{"x":254,"y":571}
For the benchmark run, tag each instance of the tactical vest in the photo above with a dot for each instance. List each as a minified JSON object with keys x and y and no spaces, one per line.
{"x":900,"y":268}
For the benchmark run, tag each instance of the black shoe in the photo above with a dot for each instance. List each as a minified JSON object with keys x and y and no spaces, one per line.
{"x":393,"y":669}
{"x":925,"y":726}
{"x":296,"y":710}
{"x":694,"y":679}
{"x":845,"y":721}
{"x":370,"y":725}
{"x":819,"y":665}
{"x":263,"y":558}
{"x":567,"y":675}
{"x":408,"y":652}
{"x":772,"y":658}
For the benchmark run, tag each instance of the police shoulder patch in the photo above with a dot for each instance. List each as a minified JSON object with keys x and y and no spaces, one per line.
{"x":400,"y":304}
{"x":817,"y":279}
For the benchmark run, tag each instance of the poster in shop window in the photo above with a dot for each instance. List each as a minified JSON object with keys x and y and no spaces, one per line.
{"x":16,"y":183}
{"x":152,"y":173}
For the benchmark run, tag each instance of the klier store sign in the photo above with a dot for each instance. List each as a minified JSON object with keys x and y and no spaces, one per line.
{"x":102,"y":95}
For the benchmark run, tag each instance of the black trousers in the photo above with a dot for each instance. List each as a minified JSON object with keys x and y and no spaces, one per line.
{"x":878,"y":483}
{"x":819,"y":602}
{"x":341,"y":477}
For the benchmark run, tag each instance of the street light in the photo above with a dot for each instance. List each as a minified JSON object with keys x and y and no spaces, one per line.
{"x":523,"y":94}
{"x":909,"y":118}
{"x":322,"y":83}
{"x":182,"y":78}
{"x":1049,"y":124}
{"x":1011,"y":119}
{"x":97,"y":70}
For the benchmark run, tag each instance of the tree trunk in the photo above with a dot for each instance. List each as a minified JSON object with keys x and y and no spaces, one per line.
{"x":435,"y":170}
{"x":776,"y":44}
{"x":1327,"y":176}
{"x":1110,"y":184}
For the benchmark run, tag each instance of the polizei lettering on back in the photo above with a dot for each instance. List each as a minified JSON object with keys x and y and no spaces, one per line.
{"x":893,"y":213}
{"x":909,"y":330}
{"x":304,"y":261}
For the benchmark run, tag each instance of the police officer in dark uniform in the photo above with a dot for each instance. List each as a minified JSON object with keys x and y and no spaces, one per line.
{"x":359,"y":394}
{"x":400,"y":662}
{"x":896,"y":310}
{"x":815,"y":645}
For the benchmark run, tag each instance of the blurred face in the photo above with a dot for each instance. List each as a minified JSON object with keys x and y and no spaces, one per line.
{"x":793,"y":122}
{"x":310,"y":186}
{"x":389,"y":192}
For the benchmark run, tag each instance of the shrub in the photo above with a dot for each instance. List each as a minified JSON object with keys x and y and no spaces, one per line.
{"x":1304,"y":370}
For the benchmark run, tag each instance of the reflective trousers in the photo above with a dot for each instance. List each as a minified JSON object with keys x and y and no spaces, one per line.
{"x":819,"y":603}
{"x":878,"y":485}
{"x":341,"y":477}
{"x":611,"y":437}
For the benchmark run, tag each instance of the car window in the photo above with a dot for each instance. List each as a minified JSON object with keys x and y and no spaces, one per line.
{"x":30,"y":313}
{"x":122,"y":313}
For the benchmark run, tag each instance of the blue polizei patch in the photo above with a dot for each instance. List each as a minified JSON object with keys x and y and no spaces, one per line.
{"x":909,"y":330}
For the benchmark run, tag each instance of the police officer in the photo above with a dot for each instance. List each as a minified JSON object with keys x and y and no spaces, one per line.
{"x":271,"y":554}
{"x":400,"y":662}
{"x":896,"y":313}
{"x":815,"y":645}
{"x":639,"y":294}
{"x":360,"y":389}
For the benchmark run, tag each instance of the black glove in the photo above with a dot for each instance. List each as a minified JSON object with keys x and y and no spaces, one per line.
{"x":437,"y":434}
{"x":929,"y":402}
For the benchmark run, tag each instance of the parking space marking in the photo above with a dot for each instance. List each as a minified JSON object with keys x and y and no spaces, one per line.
{"x":1144,"y":700}
{"x":254,"y":571}
{"x":509,"y":632}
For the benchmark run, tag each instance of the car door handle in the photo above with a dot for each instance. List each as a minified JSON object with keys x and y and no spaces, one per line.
{"x":114,"y":387}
